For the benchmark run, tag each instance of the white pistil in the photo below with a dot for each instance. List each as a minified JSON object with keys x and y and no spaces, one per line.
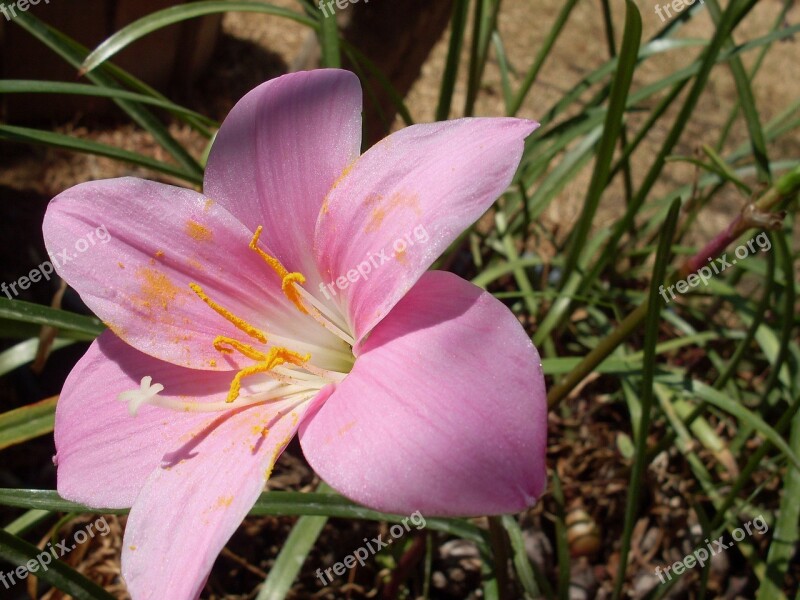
{"x":146,"y":394}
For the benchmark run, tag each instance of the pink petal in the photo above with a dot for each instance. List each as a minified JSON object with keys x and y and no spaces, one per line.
{"x":278,"y":153}
{"x":104,"y":454}
{"x":404,"y":202}
{"x":191,"y":506}
{"x":444,"y":411}
{"x":143,"y":244}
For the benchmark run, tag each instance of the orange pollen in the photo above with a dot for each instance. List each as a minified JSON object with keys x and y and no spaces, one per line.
{"x":265,"y":361}
{"x":274,"y":358}
{"x":237,"y":322}
{"x":288,"y":280}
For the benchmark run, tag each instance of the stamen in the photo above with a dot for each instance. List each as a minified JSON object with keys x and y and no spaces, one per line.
{"x":277,"y":356}
{"x":144,"y":395}
{"x":287,"y":278}
{"x":324,"y":373}
{"x":313,"y":374}
{"x":237,"y":322}
{"x":326,"y":323}
{"x":248,"y":351}
{"x":324,"y":310}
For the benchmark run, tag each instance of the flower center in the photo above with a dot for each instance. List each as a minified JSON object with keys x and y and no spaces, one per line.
{"x":291,"y":375}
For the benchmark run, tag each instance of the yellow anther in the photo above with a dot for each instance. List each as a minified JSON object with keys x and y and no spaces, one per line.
{"x":277,"y":356}
{"x":288,"y":280}
{"x":221,"y":341}
{"x":237,"y":322}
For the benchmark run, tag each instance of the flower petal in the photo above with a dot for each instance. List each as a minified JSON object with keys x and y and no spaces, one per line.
{"x":403,"y":202}
{"x":134,"y":246}
{"x":104,"y":455}
{"x":444,"y":411}
{"x":191,"y":506}
{"x":278,"y":153}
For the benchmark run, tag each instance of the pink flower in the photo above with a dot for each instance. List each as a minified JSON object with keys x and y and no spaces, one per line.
{"x":292,"y":297}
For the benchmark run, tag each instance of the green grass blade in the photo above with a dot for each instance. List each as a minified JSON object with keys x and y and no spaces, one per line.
{"x":747,"y":102}
{"x":27,"y":312}
{"x":27,"y":521}
{"x":698,"y":389}
{"x":73,"y":52}
{"x":562,"y":545}
{"x":58,"y":574}
{"x":176,"y":14}
{"x":785,"y":533}
{"x":27,"y":86}
{"x":293,"y":554}
{"x":458,"y":25}
{"x":287,"y":504}
{"x":291,"y":557}
{"x":66,"y":142}
{"x":24,"y":352}
{"x":502,"y":63}
{"x":758,"y":318}
{"x":541,"y":56}
{"x":533,"y":583}
{"x":329,"y":44}
{"x":779,"y":20}
{"x":787,"y":325}
{"x":27,"y":422}
{"x":734,"y":13}
{"x":611,"y":131}
{"x":654,"y":306}
{"x":485,"y":23}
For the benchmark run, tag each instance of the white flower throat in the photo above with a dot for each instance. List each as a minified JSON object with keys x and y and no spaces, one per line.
{"x":278,"y":373}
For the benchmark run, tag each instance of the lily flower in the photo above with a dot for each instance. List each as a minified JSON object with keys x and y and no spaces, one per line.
{"x":292,"y":297}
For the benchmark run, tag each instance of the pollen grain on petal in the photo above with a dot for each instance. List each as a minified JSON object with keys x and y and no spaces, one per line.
{"x":346,"y":428}
{"x":224,"y":501}
{"x":198,"y":232}
{"x":156,"y":294}
{"x":381,"y":208}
